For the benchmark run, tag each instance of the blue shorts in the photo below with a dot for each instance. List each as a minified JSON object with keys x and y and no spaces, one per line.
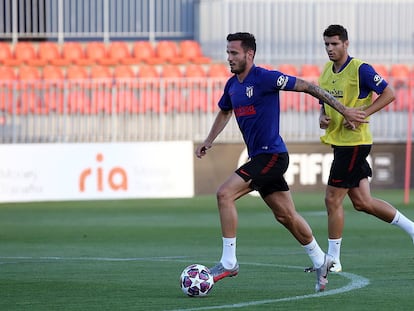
{"x":265,"y":171}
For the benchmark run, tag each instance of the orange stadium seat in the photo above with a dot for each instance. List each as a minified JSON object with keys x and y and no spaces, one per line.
{"x":76,"y":73}
{"x":6,"y":54}
{"x":116,"y":52}
{"x":195,"y":71}
{"x":400,"y":73}
{"x":124,"y":76}
{"x":142,"y":52}
{"x":171,"y":71}
{"x":123,"y":72}
{"x":29,"y":77}
{"x":191,"y":52}
{"x":310,"y":72}
{"x":148,"y":71}
{"x":72,"y":52}
{"x":218,"y":70}
{"x":47,"y":52}
{"x":7,"y":76}
{"x":381,"y":70}
{"x":168,"y":51}
{"x":24,"y":52}
{"x":53,"y":76}
{"x":288,"y":69}
{"x":93,"y":52}
{"x":101,"y":75}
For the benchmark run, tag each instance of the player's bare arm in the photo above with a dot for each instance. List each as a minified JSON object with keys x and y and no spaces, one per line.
{"x":350,"y":114}
{"x":381,"y":101}
{"x":219,"y":124}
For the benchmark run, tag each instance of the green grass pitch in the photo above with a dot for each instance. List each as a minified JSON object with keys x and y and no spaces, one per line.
{"x":128,"y":255}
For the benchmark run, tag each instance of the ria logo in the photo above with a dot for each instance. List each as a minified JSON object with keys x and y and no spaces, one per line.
{"x":114,"y":178}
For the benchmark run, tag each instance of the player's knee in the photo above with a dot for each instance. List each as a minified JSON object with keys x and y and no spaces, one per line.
{"x":223,"y":194}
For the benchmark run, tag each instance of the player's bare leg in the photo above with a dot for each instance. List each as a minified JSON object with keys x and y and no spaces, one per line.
{"x":232,"y":189}
{"x":283,"y":208}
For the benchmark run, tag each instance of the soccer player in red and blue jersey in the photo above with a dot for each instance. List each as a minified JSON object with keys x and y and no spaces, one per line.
{"x":252,"y":93}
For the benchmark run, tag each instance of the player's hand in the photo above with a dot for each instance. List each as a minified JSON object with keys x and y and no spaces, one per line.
{"x":350,"y":126}
{"x":354,"y":116}
{"x":324,"y":121}
{"x":202,"y":149}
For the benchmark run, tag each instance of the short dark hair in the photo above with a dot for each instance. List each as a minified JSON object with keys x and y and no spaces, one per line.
{"x":336,"y":30}
{"x":248,"y":41}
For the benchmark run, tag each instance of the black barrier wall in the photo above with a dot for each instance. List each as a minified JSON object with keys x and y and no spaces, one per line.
{"x":308,"y":168}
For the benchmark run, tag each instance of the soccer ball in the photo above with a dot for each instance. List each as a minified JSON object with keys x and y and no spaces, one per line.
{"x":196,"y":280}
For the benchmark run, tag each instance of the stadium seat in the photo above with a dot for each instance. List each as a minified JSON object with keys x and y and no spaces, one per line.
{"x":381,"y":70}
{"x":218,"y":70}
{"x":6,"y":55}
{"x":288,"y":69}
{"x":142,"y":52}
{"x":168,"y":51}
{"x":94,"y":51}
{"x":116,"y":52}
{"x":171,"y":71}
{"x":53,"y":76}
{"x":124,"y":76}
{"x":192,"y":53}
{"x":76,"y":73}
{"x":29,"y":77}
{"x":101,"y":76}
{"x":400,"y":74}
{"x":47,"y":52}
{"x":195,"y":71}
{"x":72,"y":52}
{"x":25,"y":52}
{"x":310,"y":72}
{"x":7,"y":76}
{"x":148,"y":71}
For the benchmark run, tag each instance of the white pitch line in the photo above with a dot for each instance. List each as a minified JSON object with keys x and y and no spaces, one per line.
{"x":356,"y":281}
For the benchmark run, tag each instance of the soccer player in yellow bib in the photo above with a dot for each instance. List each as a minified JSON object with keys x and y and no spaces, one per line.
{"x":352,"y":82}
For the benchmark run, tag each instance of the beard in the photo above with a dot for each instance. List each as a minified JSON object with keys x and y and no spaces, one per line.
{"x":240,"y":68}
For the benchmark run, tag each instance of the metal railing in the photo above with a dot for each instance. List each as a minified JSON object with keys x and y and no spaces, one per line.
{"x":156,"y":110}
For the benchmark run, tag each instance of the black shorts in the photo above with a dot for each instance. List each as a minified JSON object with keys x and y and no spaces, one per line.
{"x":266,"y":173}
{"x":349,"y":166}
